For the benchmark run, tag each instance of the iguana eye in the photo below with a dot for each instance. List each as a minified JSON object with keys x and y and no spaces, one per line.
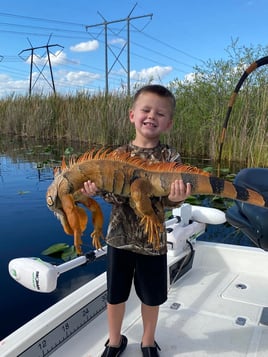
{"x":50,"y":201}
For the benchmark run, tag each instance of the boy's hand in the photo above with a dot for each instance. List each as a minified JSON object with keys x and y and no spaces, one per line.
{"x":179,"y":191}
{"x":89,"y":188}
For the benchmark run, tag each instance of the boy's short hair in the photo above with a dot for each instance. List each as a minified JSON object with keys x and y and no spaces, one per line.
{"x":159,"y":90}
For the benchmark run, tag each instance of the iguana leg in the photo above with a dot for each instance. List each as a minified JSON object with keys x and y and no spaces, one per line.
{"x":82,"y":220}
{"x":97,"y":217}
{"x":140,"y":192}
{"x":72,"y":214}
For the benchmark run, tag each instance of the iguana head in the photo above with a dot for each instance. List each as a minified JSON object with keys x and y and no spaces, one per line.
{"x":52,"y":196}
{"x":54,"y":203}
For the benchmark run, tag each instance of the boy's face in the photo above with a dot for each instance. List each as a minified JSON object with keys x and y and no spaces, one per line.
{"x":151,"y":115}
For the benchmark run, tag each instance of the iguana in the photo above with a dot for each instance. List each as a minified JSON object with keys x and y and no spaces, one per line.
{"x":132,"y":177}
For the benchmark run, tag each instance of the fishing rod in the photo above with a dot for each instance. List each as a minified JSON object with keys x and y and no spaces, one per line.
{"x":260,"y":62}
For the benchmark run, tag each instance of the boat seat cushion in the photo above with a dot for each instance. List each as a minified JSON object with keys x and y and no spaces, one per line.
{"x":251,"y":220}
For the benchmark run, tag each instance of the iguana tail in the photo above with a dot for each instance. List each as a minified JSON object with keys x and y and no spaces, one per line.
{"x":216,"y":186}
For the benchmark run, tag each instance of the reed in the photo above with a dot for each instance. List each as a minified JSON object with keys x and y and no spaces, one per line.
{"x":103,"y":119}
{"x":247,"y":136}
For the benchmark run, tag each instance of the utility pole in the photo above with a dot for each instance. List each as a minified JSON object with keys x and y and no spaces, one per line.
{"x":32,"y":63}
{"x":108,"y":47}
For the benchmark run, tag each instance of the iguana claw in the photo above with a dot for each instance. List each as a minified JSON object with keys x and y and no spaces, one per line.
{"x":96,"y":235}
{"x":153,"y":228}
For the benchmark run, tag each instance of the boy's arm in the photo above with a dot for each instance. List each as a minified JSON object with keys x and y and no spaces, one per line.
{"x":178,"y":191}
{"x":90,"y":189}
{"x":178,"y":194}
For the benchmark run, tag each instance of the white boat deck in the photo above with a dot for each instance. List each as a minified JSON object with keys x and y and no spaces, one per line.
{"x":216,"y":308}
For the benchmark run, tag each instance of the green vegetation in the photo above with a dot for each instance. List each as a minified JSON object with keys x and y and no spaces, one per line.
{"x":60,"y":251}
{"x":201,"y":108}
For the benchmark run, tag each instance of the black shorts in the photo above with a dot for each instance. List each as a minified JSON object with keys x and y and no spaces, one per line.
{"x":148,"y":271}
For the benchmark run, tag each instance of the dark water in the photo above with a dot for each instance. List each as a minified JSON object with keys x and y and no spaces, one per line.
{"x":28,"y":227}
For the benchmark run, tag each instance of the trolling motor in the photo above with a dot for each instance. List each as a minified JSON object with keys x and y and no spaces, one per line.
{"x":38,"y":275}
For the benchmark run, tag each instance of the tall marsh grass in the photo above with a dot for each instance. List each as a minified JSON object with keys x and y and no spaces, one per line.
{"x":102,"y":119}
{"x":83,"y":117}
{"x":201,"y":108}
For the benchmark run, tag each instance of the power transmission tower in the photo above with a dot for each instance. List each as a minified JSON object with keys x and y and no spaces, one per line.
{"x":41,"y":71}
{"x":108,"y":47}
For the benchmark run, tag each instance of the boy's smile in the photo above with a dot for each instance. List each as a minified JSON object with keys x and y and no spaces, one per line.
{"x":149,"y":123}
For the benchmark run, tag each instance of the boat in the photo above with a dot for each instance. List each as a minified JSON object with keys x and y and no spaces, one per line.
{"x":217,"y":301}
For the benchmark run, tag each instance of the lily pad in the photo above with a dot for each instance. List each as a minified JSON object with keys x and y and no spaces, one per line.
{"x":55,"y":248}
{"x":69,"y":254}
{"x":23,"y":192}
{"x":61,"y":251}
{"x":193,"y":200}
{"x":69,"y":151}
{"x":208,"y":169}
{"x":225,"y":171}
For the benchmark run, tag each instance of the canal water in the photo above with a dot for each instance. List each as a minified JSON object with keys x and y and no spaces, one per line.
{"x":28,"y":227}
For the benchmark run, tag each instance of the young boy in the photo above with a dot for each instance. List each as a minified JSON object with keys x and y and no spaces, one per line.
{"x":130,"y":256}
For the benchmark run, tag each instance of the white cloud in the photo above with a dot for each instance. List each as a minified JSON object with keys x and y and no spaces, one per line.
{"x":56,"y":59}
{"x":190,"y":78}
{"x":156,"y":72}
{"x":9,"y":85}
{"x":85,"y":46}
{"x":63,"y":80}
{"x":36,"y":59}
{"x":117,"y":41}
{"x":59,"y":58}
{"x":80,"y":78}
{"x":4,"y":78}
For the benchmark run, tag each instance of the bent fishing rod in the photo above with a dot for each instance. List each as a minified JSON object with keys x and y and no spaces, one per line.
{"x":260,"y":62}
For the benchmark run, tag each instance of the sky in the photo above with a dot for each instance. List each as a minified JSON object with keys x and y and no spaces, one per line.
{"x":84,"y":45}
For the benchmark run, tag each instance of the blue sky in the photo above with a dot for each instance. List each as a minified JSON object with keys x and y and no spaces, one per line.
{"x":165,"y":46}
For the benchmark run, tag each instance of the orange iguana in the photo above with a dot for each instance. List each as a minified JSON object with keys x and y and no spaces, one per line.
{"x":132,"y":177}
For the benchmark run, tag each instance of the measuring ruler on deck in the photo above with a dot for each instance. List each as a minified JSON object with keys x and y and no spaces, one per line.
{"x":46,"y":345}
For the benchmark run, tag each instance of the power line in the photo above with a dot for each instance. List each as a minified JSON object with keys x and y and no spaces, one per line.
{"x":173,"y":48}
{"x":41,"y":19}
{"x":41,"y":71}
{"x":126,"y":45}
{"x":71,"y":30}
{"x":82,"y":26}
{"x":42,"y":28}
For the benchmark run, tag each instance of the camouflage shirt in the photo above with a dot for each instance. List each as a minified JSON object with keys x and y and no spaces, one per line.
{"x":125,"y":230}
